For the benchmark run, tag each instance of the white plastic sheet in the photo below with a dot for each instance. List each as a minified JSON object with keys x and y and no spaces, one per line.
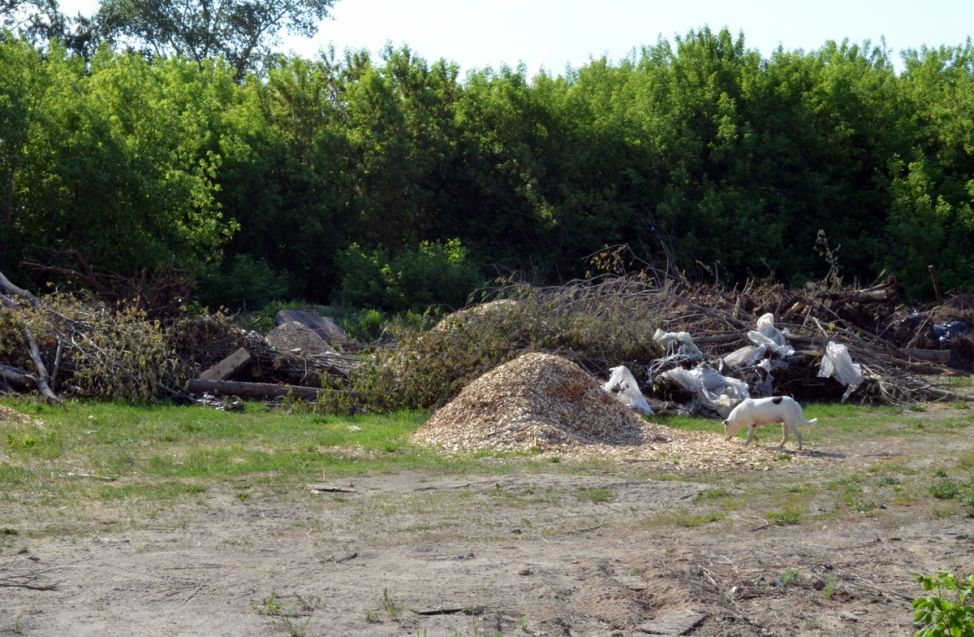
{"x":678,"y":343}
{"x":713,"y":390}
{"x":622,"y":384}
{"x":837,"y":363}
{"x":766,"y":338}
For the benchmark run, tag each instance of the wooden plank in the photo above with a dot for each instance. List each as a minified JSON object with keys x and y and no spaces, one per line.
{"x":250,"y":390}
{"x":228,"y":366}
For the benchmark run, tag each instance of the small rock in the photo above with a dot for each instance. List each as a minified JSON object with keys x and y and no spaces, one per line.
{"x":819,"y":584}
{"x":674,"y":624}
{"x":525,"y":571}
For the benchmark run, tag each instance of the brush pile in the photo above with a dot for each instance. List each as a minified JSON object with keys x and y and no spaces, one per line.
{"x":61,"y":344}
{"x":600,"y":324}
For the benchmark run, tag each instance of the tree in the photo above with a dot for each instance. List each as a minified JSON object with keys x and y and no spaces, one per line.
{"x":41,"y":21}
{"x":242,"y":31}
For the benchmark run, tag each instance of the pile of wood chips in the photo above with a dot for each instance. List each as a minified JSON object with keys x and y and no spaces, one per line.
{"x":546,"y":403}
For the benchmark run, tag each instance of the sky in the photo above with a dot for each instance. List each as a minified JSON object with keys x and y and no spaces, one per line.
{"x":554,"y":34}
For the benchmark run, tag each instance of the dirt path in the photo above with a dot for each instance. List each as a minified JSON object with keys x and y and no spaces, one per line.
{"x":552,"y":554}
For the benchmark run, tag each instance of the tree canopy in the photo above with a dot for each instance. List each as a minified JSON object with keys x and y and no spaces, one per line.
{"x":326,"y":178}
{"x":244,"y":32}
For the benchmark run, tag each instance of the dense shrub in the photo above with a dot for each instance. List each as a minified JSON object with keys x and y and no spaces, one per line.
{"x":429,"y":274}
{"x":243,"y":282}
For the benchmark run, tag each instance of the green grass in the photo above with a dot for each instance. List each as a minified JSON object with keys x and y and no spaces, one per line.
{"x":109,"y":450}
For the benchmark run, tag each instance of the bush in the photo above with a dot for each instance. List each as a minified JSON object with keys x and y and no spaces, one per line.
{"x":430,"y":274}
{"x":242,"y":282}
{"x":949,"y":612}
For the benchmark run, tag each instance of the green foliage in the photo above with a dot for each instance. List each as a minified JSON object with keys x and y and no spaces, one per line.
{"x":949,"y":612}
{"x":239,"y":31}
{"x":428,"y":275}
{"x":245,"y":281}
{"x":374,"y":181}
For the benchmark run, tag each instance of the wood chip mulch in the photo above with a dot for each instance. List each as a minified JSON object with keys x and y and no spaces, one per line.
{"x":548,"y":404}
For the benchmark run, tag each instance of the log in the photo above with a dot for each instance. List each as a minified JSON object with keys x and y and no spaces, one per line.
{"x":941,"y":356}
{"x":250,"y":390}
{"x":228,"y":366}
{"x":17,"y":377}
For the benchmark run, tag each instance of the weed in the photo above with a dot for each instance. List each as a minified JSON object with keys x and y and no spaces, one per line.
{"x":940,"y":473}
{"x":969,"y":505}
{"x":832,"y":585}
{"x":790,"y":577}
{"x":371,"y":616}
{"x":888,"y":481}
{"x":597,"y":495}
{"x":950,"y":611}
{"x":522,"y":624}
{"x":389,"y":605}
{"x":699,"y":520}
{"x":272,"y":605}
{"x":294,"y":629}
{"x":785,"y":517}
{"x":945,"y":489}
{"x":710,"y":495}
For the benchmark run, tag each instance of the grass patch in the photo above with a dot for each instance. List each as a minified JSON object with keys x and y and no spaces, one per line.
{"x":691,"y":521}
{"x":785,"y":517}
{"x":597,"y":495}
{"x":710,"y":495}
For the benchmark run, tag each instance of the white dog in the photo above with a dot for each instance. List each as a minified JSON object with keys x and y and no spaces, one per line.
{"x":754,"y":412}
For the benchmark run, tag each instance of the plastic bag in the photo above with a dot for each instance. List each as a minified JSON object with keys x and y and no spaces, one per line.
{"x":679,"y":341}
{"x":714,"y":391}
{"x":837,"y":363}
{"x":775,"y":344}
{"x":745,"y":356}
{"x":766,"y":338}
{"x":624,"y":386}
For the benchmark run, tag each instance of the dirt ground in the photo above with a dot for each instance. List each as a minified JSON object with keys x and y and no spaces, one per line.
{"x":608,"y":552}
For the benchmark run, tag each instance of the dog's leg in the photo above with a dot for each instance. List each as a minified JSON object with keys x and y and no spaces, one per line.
{"x":750,"y":434}
{"x":798,"y":434}
{"x":784,"y":434}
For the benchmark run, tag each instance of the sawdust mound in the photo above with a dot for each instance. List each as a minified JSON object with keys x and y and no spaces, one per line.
{"x":534,"y":402}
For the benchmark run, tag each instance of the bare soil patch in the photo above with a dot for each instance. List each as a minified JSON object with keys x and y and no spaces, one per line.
{"x":631,"y":546}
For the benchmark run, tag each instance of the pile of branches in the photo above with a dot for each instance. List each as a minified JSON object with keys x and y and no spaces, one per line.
{"x":62,"y":344}
{"x":611,"y":321}
{"x":896,"y":355}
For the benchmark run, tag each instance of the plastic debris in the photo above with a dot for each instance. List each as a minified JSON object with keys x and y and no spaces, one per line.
{"x":622,"y":384}
{"x":837,"y":364}
{"x":711,"y":389}
{"x":945,"y":332}
{"x":678,"y":343}
{"x":766,"y":338}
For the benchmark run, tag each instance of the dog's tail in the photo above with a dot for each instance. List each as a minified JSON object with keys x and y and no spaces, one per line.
{"x":809,"y":423}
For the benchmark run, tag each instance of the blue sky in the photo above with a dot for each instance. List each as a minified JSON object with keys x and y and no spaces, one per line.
{"x":555,"y":33}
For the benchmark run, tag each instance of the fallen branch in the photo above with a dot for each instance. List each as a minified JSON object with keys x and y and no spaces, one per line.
{"x":42,"y":376}
{"x":30,"y":587}
{"x":250,"y":390}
